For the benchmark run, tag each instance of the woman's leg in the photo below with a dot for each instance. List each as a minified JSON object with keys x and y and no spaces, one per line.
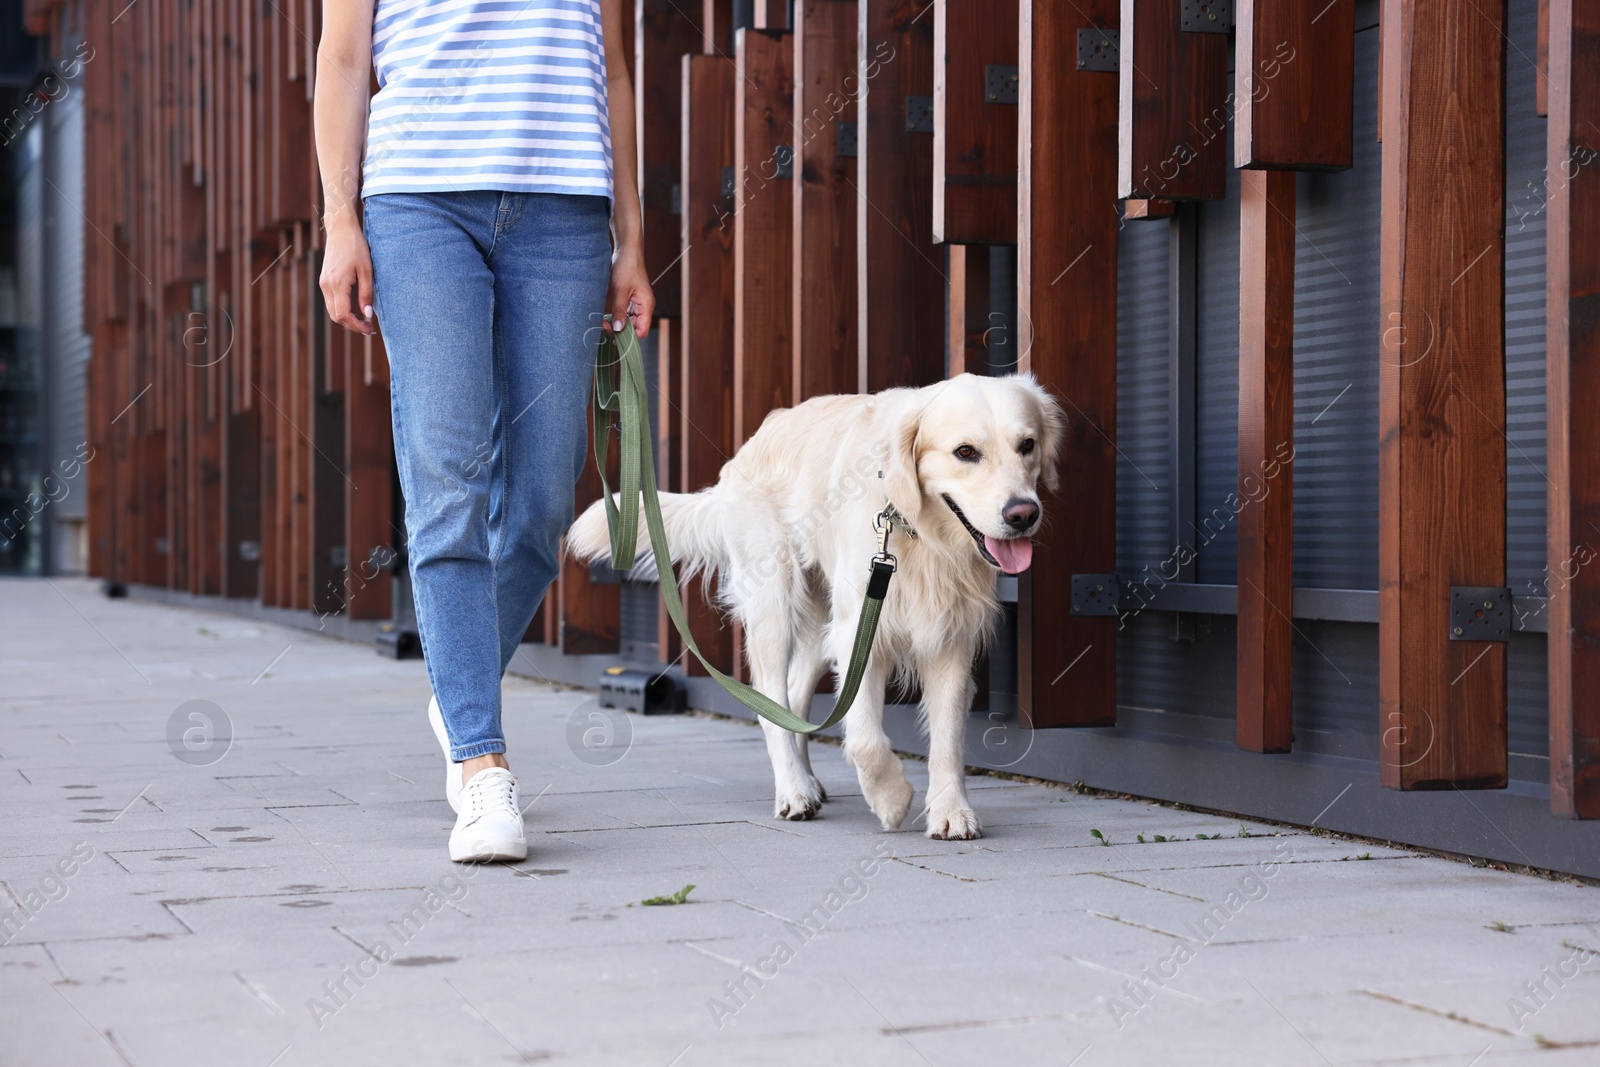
{"x":551,"y":264}
{"x":435,"y":303}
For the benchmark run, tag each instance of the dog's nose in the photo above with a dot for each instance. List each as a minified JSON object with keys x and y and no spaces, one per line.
{"x":1020,"y":514}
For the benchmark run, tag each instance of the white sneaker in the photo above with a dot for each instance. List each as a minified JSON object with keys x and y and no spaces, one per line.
{"x":452,"y":770}
{"x":489,"y":828}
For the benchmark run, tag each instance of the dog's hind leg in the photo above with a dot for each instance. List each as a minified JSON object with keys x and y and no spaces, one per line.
{"x":947,"y":695}
{"x":806,"y":666}
{"x":768,"y":648}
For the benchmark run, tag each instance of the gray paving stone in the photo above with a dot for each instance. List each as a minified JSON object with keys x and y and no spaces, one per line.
{"x":223,"y":895}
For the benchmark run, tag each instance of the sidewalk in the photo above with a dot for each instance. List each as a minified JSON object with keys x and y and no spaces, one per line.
{"x":271,"y":890}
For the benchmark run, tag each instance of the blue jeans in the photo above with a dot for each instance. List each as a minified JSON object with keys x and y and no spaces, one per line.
{"x":489,"y":304}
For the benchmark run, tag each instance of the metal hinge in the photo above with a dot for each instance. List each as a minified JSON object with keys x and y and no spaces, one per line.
{"x":1099,"y":49}
{"x":919,"y":114}
{"x":1206,"y":16}
{"x":1000,"y":83}
{"x":1480,"y":613}
{"x":1095,"y":594}
{"x":844,"y":140}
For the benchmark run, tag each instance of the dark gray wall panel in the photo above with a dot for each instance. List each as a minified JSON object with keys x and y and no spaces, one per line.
{"x":1142,"y":424}
{"x":1336,"y":338}
{"x":1214,"y":527}
{"x":1157,"y":673}
{"x":1526,"y":484}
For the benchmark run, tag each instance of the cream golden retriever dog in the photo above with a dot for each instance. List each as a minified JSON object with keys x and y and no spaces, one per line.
{"x":789,"y":532}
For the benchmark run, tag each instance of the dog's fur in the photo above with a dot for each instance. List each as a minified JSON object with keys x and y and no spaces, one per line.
{"x":788,"y":531}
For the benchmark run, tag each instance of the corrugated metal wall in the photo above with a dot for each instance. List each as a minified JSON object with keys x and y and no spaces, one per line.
{"x":23,"y":552}
{"x":1527,"y":718}
{"x":1337,"y":327}
{"x":66,"y":345}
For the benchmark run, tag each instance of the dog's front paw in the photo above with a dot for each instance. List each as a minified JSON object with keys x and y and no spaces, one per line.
{"x":797,"y":804}
{"x":890,"y":801}
{"x":956,"y":824}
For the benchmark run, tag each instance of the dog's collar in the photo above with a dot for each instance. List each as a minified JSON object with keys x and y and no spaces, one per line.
{"x":890,"y":516}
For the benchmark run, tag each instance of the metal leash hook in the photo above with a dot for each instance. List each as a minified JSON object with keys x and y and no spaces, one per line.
{"x":884,"y":525}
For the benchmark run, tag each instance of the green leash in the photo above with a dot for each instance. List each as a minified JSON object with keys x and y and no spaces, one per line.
{"x":620,"y":390}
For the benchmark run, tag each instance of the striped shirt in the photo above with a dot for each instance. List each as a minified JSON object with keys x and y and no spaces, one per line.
{"x":488,"y":94}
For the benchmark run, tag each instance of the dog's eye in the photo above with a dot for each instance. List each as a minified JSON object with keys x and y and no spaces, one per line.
{"x":1025,"y":447}
{"x":967,"y":454}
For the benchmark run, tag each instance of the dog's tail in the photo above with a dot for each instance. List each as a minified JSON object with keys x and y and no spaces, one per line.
{"x":693,"y":523}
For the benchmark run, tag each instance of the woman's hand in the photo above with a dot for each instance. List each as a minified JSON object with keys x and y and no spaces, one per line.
{"x":630,"y":299}
{"x":346,"y":266}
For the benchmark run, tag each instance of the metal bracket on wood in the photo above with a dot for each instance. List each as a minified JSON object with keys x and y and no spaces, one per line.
{"x":783,"y":160}
{"x":336,"y":556}
{"x":250,"y":551}
{"x":919,"y":114}
{"x":728,"y":186}
{"x":1206,"y":16}
{"x":1480,"y":613}
{"x":844,"y":140}
{"x":1099,"y":49}
{"x":1000,"y":83}
{"x":1096,"y":594}
{"x":677,"y":199}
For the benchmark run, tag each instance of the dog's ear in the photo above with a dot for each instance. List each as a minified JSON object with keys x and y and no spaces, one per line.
{"x":901,"y":482}
{"x":1052,"y":431}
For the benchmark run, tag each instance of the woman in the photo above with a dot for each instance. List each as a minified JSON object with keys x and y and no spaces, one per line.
{"x":497,"y":203}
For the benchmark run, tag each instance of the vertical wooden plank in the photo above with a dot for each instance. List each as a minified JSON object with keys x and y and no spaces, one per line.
{"x":974,"y":137}
{"x":663,"y":35}
{"x":590,"y":611}
{"x":332,"y":560}
{"x":371,"y":541}
{"x":899,"y":284}
{"x":292,"y":143}
{"x":1265,"y":693}
{"x":826,"y":357}
{"x":763,"y":340}
{"x":707,"y":332}
{"x":1294,"y":84}
{"x":302,"y":414}
{"x":669,"y":467}
{"x":1441,"y":411}
{"x":716,"y":28}
{"x":1173,"y":106}
{"x":763,"y":212}
{"x":271,"y":419}
{"x":769,"y":14}
{"x":1067,"y":332}
{"x":1573,"y":381}
{"x":156,"y":545}
{"x":242,"y":495}
{"x":968,"y":304}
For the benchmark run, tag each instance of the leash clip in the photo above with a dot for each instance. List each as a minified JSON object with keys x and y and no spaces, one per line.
{"x":884,"y":524}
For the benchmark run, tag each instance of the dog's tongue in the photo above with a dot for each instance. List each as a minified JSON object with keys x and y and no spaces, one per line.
{"x":1014,"y":554}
